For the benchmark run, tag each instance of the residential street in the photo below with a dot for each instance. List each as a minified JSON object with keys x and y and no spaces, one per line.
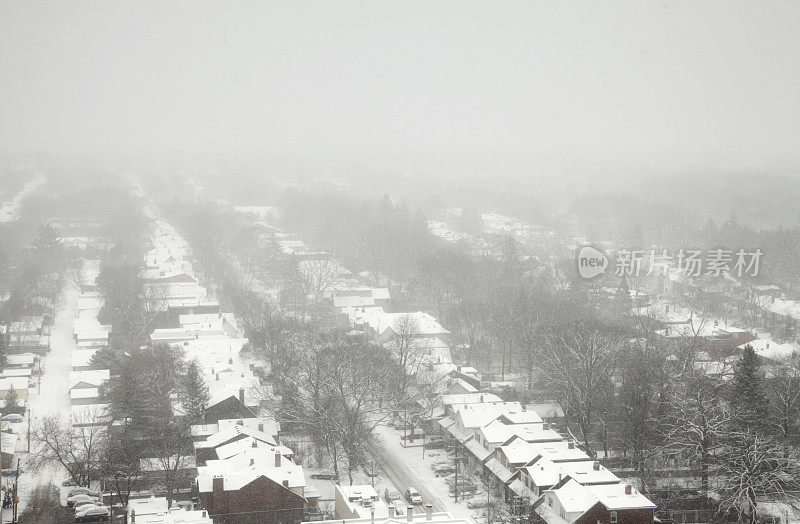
{"x":406,"y":467}
{"x":53,"y":397}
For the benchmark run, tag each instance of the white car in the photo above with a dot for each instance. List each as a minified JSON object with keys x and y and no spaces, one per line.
{"x":92,"y":512}
{"x":14,"y":418}
{"x":413,"y":496}
{"x":81,"y":490}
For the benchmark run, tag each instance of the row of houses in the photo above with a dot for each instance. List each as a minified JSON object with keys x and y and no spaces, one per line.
{"x":530,"y":460}
{"x":241,"y":470}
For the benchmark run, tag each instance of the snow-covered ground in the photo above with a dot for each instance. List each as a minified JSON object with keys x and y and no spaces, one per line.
{"x":51,"y":398}
{"x":9,"y":210}
{"x":407,"y":468}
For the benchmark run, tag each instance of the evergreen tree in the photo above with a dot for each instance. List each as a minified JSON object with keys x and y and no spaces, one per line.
{"x":748,"y":400}
{"x":12,"y":401}
{"x":105,"y":358}
{"x":193,"y":392}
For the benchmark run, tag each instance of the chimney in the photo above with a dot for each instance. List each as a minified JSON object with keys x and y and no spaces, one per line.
{"x":217,"y":377}
{"x":252,"y":461}
{"x":409,"y":513}
{"x":261,"y":427}
{"x":545,"y":426}
{"x":277,"y":460}
{"x":212,"y":370}
{"x":596,"y":466}
{"x":285,"y":483}
{"x":255,"y":444}
{"x":204,"y":514}
{"x":428,"y":512}
{"x":628,"y":489}
{"x":768,"y":344}
{"x":241,"y":395}
{"x":230,"y":361}
{"x":571,"y":444}
{"x":133,"y":516}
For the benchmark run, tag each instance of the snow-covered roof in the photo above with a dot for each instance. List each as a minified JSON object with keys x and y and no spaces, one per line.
{"x":589,"y":472}
{"x":502,"y":473}
{"x":574,"y":497}
{"x":470,"y":398}
{"x":613,"y":497}
{"x":471,"y":416}
{"x":82,"y":357}
{"x":236,"y":477}
{"x":247,"y":444}
{"x":770,"y":349}
{"x":95,"y":377}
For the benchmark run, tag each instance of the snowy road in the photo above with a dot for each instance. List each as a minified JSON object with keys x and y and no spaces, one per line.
{"x":406,"y":468}
{"x":52,"y":397}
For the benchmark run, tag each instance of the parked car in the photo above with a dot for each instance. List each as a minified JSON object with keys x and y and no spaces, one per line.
{"x":92,"y":513}
{"x":413,"y":496}
{"x":83,"y":504}
{"x":14,"y":418}
{"x":476,"y":502}
{"x":81,"y":490}
{"x":391,"y":496}
{"x":464,"y":488}
{"x":436,"y":444}
{"x":324,"y":475}
{"x":68,"y":483}
{"x":79,"y":499}
{"x":442,"y":469}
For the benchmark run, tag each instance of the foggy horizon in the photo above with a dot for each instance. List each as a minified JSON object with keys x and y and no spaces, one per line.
{"x":562,"y":86}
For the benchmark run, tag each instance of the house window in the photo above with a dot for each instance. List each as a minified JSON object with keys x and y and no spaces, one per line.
{"x":549,"y":501}
{"x":613,"y":517}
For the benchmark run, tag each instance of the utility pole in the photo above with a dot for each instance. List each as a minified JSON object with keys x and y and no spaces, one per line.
{"x":16,"y":495}
{"x":29,"y":431}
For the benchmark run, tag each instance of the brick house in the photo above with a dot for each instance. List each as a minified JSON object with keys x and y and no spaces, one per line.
{"x":250,"y":497}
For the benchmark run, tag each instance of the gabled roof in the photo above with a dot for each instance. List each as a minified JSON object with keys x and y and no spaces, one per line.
{"x":245,"y":445}
{"x":573,"y":497}
{"x":613,"y":497}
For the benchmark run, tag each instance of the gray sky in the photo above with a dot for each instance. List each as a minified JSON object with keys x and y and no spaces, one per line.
{"x":666,"y":81}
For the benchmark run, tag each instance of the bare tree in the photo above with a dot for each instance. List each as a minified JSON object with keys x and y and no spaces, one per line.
{"x":75,"y":445}
{"x":578,"y":360}
{"x":698,"y":421}
{"x":754,"y":469}
{"x":407,"y":348}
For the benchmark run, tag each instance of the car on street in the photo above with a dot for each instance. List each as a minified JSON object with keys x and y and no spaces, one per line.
{"x":14,"y":418}
{"x":92,"y":513}
{"x":324,"y":475}
{"x":436,"y":444}
{"x":391,"y":496}
{"x":413,"y":496}
{"x":68,"y":483}
{"x":80,"y":499}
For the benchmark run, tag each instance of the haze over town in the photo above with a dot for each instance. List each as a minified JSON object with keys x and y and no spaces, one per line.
{"x":461,"y":262}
